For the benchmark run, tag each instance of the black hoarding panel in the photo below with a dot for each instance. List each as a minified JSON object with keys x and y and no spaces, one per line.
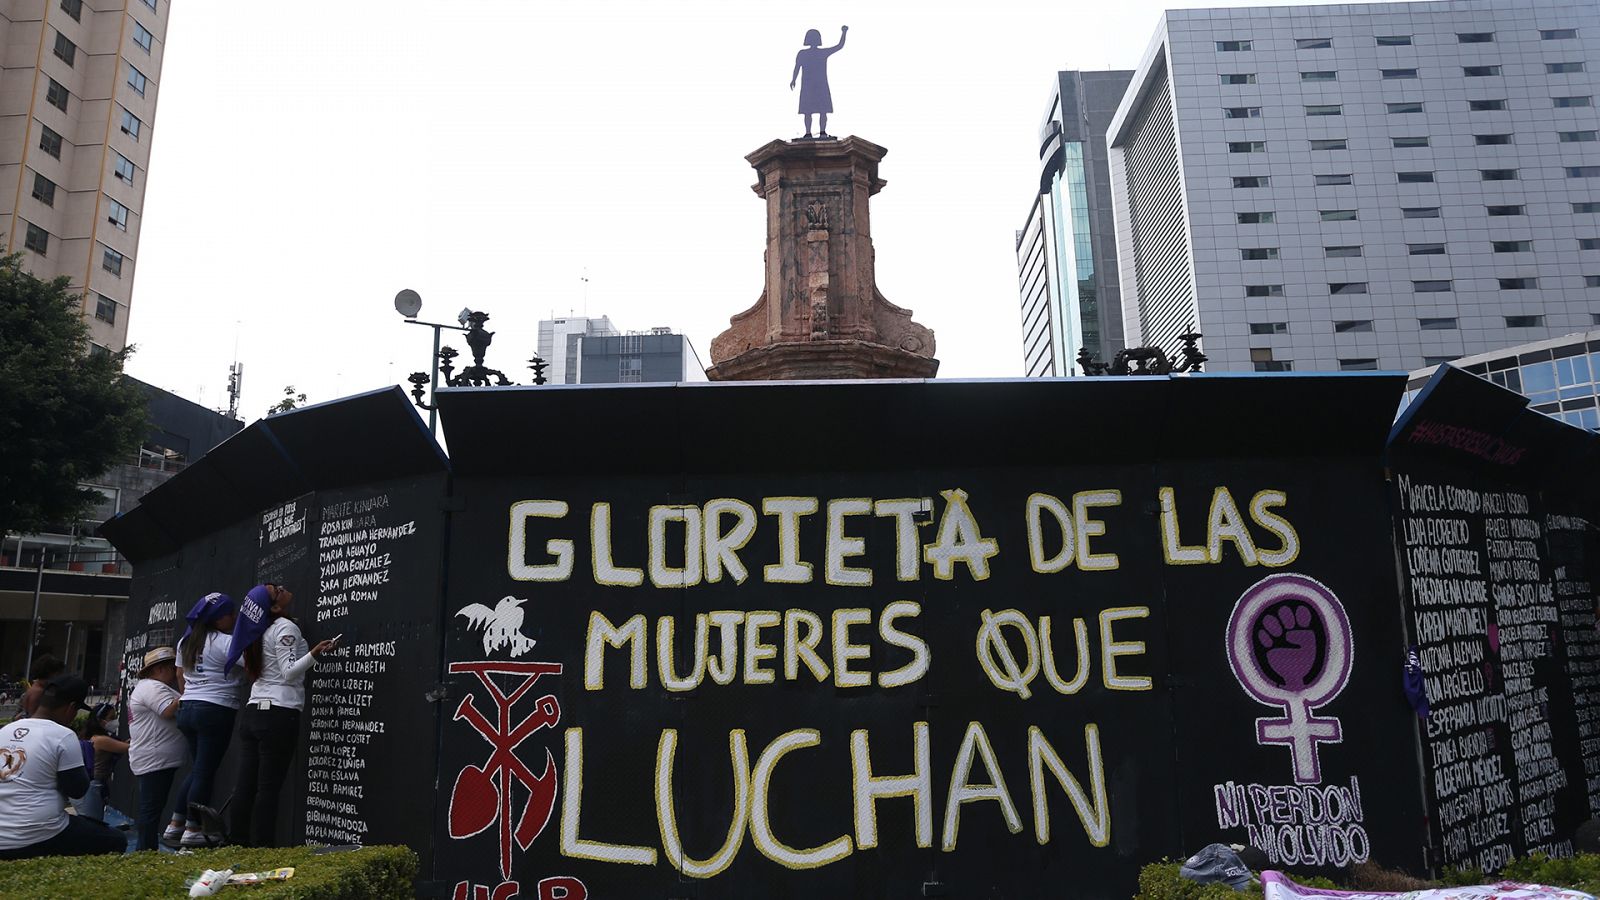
{"x":1496,"y":538}
{"x":363,"y":439}
{"x":901,"y":661}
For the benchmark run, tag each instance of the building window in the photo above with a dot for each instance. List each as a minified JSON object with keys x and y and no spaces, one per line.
{"x":1325,"y":109}
{"x":1415,"y":177}
{"x":136,"y":80}
{"x":1563,"y":68}
{"x":1256,"y":218}
{"x":1583,"y":171}
{"x":1329,"y":144}
{"x":1436,"y":360}
{"x":131,"y":124}
{"x":1558,"y":34}
{"x":1269,"y":327}
{"x":1575,"y":137}
{"x":1444,"y":324}
{"x":1518,"y":284}
{"x":1352,"y":326}
{"x":37,"y":239}
{"x":123,"y":167}
{"x":1591,"y":281}
{"x":1239,"y":78}
{"x":1476,"y":37}
{"x":1250,"y":181}
{"x":1524,"y":321}
{"x":111,"y":261}
{"x":1242,"y":112}
{"x":1504,"y":210}
{"x":66,"y":50}
{"x":56,"y":95}
{"x":117,"y":214}
{"x":1425,"y":249}
{"x":1358,"y":365}
{"x":1572,"y":102}
{"x":1337,"y":215}
{"x":1512,"y":246}
{"x":49,"y":141}
{"x":1232,"y":46}
{"x":98,"y":351}
{"x":1431,"y":286}
{"x":1402,"y":108}
{"x":1589,"y":243}
{"x":1319,"y":76}
{"x":44,"y":190}
{"x":1259,"y":253}
{"x":1419,"y":212}
{"x":1395,"y":74}
{"x":1263,"y":290}
{"x":1337,"y":288}
{"x":1342,"y":252}
{"x":150,"y":3}
{"x":1484,"y":140}
{"x":1328,"y":180}
{"x":1247,"y":146}
{"x":1409,"y":143}
{"x":105,"y":309}
{"x":73,"y":8}
{"x":143,"y":37}
{"x":1479,"y":71}
{"x":1485,"y":105}
{"x":1394,"y":40}
{"x":1586,"y":206}
{"x":1273,"y":365}
{"x":1498,"y":174}
{"x":1313,"y":43}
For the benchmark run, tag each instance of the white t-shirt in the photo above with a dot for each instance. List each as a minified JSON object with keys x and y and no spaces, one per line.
{"x":206,"y":681}
{"x":154,"y":743}
{"x":32,"y":751}
{"x":285,"y":659}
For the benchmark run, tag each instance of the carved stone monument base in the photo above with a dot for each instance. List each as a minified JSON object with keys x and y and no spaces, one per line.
{"x":820,"y":315}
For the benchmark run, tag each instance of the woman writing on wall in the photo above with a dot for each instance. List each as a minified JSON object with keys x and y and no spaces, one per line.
{"x":155,"y":746}
{"x":205,"y":715}
{"x":276,"y":660}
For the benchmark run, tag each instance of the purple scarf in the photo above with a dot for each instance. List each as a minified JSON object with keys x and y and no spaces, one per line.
{"x":255,"y":614}
{"x":208,"y":609}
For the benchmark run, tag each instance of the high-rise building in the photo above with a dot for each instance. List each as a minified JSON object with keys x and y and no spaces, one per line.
{"x":78,"y":86}
{"x":654,"y":356}
{"x":1066,"y":253}
{"x":1560,"y":376}
{"x":1363,"y":186}
{"x":559,"y":340}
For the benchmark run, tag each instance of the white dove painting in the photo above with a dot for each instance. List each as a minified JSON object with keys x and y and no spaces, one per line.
{"x":502,"y":626}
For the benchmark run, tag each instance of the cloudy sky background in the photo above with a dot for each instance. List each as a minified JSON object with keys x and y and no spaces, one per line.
{"x":311,"y":160}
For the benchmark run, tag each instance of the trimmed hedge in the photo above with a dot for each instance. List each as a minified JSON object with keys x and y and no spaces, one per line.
{"x":371,"y":873}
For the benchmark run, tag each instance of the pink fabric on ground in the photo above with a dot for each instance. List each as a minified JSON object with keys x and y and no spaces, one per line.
{"x":1277,"y":886}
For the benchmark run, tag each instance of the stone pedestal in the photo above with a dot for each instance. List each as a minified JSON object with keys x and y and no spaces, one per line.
{"x":820,"y":315}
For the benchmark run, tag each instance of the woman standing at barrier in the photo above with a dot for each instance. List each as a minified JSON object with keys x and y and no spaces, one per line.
{"x":276,"y":659}
{"x":206,"y":714}
{"x":155,"y":748}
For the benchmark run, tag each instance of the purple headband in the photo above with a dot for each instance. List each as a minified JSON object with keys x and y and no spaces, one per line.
{"x":209,"y":608}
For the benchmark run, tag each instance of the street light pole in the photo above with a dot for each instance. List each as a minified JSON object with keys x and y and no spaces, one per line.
{"x":33,"y":623}
{"x":408,"y":303}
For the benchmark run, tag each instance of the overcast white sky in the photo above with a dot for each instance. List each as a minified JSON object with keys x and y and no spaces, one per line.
{"x":312,"y":159}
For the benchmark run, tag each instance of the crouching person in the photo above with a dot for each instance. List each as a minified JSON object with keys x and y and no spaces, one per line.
{"x":41,"y":767}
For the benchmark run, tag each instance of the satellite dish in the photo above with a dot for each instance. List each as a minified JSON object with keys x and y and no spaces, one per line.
{"x":408,"y":303}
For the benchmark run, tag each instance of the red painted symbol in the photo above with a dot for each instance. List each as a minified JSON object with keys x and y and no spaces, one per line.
{"x":482,"y":795}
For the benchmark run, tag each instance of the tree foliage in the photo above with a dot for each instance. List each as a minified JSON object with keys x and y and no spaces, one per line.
{"x":66,"y":414}
{"x":291,"y":400}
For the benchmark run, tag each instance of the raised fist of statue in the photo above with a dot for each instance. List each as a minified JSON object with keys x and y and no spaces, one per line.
{"x":843,"y":28}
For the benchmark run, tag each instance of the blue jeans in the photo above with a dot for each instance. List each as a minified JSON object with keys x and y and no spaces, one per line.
{"x":208,"y":727}
{"x":153,"y":790}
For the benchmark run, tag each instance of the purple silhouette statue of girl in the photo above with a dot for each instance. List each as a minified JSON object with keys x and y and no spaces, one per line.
{"x":814,"y":95}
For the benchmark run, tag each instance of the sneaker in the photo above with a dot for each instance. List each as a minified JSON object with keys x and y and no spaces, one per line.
{"x":195,"y":840}
{"x":172,"y":839}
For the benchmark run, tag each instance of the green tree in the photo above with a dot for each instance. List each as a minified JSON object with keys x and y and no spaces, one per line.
{"x":66,"y":414}
{"x":290,"y":400}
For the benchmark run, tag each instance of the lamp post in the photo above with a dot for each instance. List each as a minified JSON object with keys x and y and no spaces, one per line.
{"x":408,"y":303}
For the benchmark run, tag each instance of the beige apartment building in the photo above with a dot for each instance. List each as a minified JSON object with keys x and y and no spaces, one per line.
{"x":78,"y":86}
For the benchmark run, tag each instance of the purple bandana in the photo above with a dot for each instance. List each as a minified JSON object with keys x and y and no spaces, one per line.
{"x":255,"y":614}
{"x":209,"y":608}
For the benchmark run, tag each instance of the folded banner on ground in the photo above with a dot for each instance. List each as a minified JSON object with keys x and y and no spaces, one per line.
{"x":1278,"y":887}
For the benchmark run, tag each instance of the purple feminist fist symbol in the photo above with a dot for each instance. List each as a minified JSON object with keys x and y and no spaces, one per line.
{"x":1290,"y":646}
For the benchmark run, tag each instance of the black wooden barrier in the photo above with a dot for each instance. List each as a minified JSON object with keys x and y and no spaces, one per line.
{"x":882,"y":639}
